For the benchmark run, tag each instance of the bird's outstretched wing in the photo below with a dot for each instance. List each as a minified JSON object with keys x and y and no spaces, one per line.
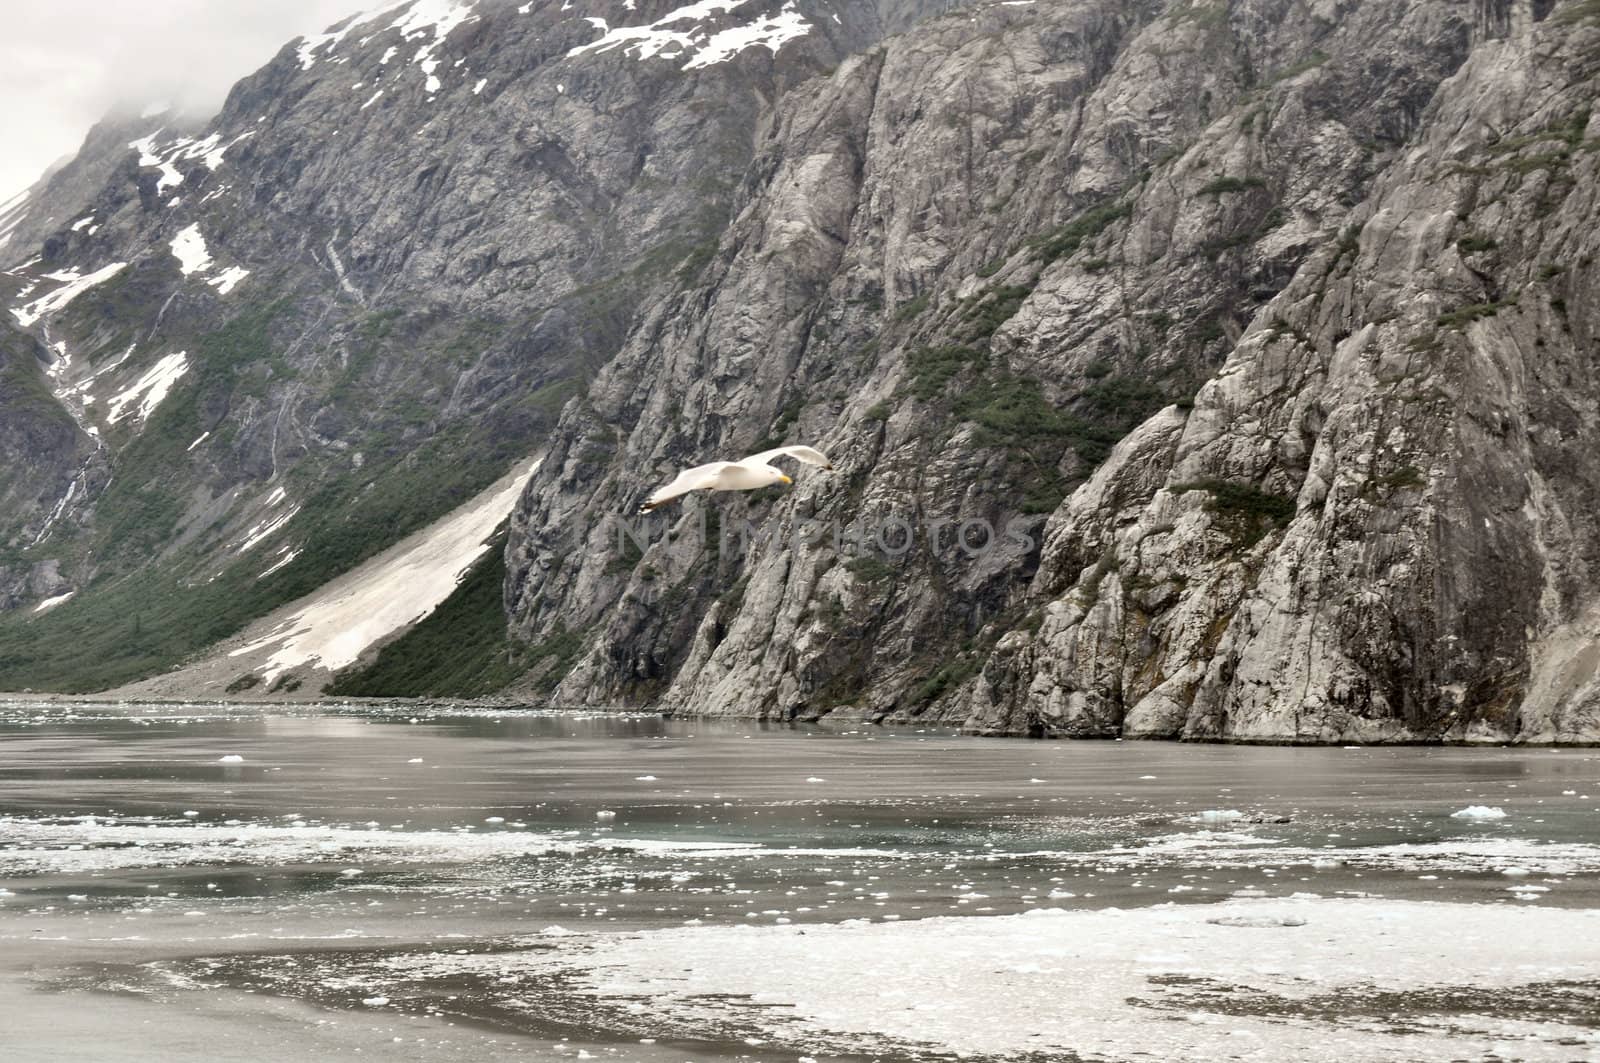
{"x":688,"y":480}
{"x":809,"y":455}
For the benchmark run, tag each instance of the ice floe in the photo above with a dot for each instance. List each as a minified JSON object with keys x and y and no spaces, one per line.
{"x":74,"y":845}
{"x":1241,"y":979}
{"x":1480,"y":813}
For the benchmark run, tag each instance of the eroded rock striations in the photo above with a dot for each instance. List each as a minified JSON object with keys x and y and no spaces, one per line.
{"x":1267,"y":320}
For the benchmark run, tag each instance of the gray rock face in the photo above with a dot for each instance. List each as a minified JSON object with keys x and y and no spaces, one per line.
{"x":1262,"y":322}
{"x":61,"y":198}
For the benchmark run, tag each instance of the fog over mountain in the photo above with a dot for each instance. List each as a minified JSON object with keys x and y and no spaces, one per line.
{"x":64,"y":65}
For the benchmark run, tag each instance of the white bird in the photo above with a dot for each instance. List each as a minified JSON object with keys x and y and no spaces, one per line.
{"x":746,"y":474}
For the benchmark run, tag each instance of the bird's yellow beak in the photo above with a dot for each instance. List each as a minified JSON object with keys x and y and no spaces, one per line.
{"x":786,"y":480}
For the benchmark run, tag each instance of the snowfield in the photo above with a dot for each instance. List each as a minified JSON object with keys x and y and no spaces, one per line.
{"x":149,"y":390}
{"x":680,"y":35}
{"x":189,"y":248}
{"x":73,"y":285}
{"x":338,"y":624}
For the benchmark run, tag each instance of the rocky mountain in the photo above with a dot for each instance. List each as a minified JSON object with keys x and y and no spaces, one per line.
{"x":1203,"y":370}
{"x":358,"y":297}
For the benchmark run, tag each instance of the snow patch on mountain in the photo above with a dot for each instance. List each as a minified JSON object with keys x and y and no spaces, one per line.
{"x":266,"y":528}
{"x":289,"y":554}
{"x":74,"y":284}
{"x":226,"y":281}
{"x":189,"y":248}
{"x":682,"y":34}
{"x":50,"y":603}
{"x":149,"y":390}
{"x":772,"y":33}
{"x":438,"y":17}
{"x":209,"y":150}
{"x":329,"y":39}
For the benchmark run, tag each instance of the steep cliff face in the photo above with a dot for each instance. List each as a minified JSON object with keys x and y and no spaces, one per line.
{"x":1410,"y":419}
{"x":1259,"y":328}
{"x":362,"y":293}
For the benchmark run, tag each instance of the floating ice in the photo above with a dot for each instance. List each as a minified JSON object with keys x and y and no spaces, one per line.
{"x":605,"y":814}
{"x":232,"y":758}
{"x":1217,"y":815}
{"x":1258,"y":922}
{"x":1479,"y":813}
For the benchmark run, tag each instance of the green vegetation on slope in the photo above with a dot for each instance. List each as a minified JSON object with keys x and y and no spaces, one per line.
{"x":122,"y":630}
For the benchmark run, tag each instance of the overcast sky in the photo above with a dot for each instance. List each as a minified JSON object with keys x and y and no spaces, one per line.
{"x":65,"y":63}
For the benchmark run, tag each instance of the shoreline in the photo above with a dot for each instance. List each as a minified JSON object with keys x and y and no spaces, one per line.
{"x":509,"y":705}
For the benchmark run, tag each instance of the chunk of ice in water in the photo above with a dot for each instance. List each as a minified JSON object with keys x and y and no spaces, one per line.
{"x":605,"y":814}
{"x":1480,"y":813}
{"x":375,"y":1002}
{"x":1217,"y":815}
{"x":233,"y":758}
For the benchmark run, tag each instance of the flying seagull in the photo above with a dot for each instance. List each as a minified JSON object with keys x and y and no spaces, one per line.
{"x":744,"y":475}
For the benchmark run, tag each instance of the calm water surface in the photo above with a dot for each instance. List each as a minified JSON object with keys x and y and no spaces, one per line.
{"x":183,"y":882}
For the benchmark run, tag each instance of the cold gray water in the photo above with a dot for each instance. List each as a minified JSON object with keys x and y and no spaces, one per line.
{"x":241,"y":884}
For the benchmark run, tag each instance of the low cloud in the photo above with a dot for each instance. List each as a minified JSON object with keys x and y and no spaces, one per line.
{"x":65,"y":64}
